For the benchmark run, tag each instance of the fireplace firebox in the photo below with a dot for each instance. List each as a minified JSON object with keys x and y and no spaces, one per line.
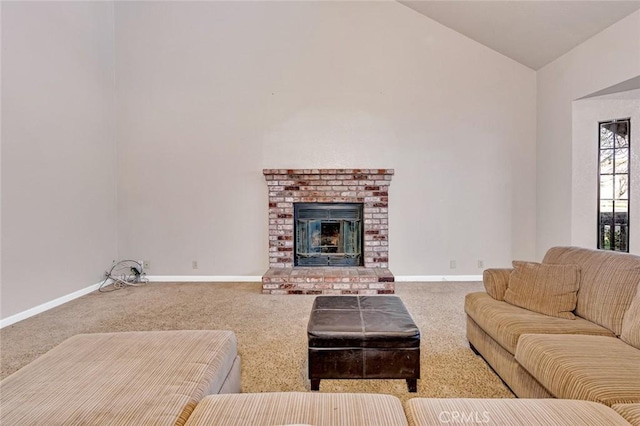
{"x":328,"y":234}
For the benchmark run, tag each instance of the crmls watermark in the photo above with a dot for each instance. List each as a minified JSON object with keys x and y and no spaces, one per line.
{"x":461,"y":417}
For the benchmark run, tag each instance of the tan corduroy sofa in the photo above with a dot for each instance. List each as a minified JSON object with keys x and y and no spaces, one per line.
{"x":130,"y":378}
{"x":181,"y":378}
{"x":192,"y":378}
{"x":359,"y":409}
{"x":595,"y":356}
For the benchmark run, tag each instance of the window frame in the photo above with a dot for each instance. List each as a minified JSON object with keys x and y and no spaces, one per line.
{"x":613,"y":174}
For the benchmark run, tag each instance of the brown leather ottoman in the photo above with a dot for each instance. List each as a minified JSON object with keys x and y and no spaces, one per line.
{"x":362,"y":337}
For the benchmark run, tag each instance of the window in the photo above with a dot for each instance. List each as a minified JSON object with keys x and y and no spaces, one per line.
{"x":613,"y":193}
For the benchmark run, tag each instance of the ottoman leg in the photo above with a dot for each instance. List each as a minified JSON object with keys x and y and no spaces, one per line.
{"x":412,"y":384}
{"x":315,"y":384}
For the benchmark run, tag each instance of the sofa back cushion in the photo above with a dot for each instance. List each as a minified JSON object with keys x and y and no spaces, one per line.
{"x":547,"y":289}
{"x":631,"y":323}
{"x":608,"y":282}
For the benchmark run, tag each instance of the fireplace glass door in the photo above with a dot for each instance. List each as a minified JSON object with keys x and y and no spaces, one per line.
{"x":328,"y":234}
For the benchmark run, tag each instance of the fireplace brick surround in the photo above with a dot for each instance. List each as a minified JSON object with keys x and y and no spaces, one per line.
{"x":367,"y":186}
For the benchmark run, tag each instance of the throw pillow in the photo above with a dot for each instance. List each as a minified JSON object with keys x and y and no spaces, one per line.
{"x":543,"y":288}
{"x":631,"y":323}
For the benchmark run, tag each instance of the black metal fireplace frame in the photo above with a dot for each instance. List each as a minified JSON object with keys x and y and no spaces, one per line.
{"x":329,"y":212}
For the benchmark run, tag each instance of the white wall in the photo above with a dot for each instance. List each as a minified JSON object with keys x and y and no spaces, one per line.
{"x":587,"y":113}
{"x":59,"y":224}
{"x":609,"y":58}
{"x":209,"y":93}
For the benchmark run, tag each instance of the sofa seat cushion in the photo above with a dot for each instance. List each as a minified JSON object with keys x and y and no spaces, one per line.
{"x":286,"y":408}
{"x":511,"y":412}
{"x":630,"y":412}
{"x":131,"y":378}
{"x":593,"y":368}
{"x":506,"y":323}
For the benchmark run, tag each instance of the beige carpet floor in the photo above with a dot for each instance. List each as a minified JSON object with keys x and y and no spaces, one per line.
{"x":271,"y":333}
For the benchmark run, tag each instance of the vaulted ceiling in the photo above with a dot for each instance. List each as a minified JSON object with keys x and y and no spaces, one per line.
{"x":533,"y":33}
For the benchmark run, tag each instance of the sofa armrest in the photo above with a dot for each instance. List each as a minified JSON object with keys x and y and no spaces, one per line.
{"x":495,"y":281}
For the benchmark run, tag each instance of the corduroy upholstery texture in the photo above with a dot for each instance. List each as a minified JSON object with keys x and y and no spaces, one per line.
{"x":631,"y":323}
{"x":517,"y":378}
{"x":631,"y":412}
{"x":495,"y":281}
{"x":593,"y":368}
{"x":131,"y":378}
{"x":510,"y":412}
{"x":547,"y":289}
{"x":285,"y":408}
{"x":506,"y":323}
{"x":608,"y":282}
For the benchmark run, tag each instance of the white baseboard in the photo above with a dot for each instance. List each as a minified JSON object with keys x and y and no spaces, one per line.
{"x":205,"y":278}
{"x":258,"y":278}
{"x":154,"y":278}
{"x":427,"y":278}
{"x":48,"y":305}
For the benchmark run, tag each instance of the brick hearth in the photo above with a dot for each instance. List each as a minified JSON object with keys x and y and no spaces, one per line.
{"x":367,"y":186}
{"x":319,"y":280}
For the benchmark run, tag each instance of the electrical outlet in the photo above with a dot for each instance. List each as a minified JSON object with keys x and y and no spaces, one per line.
{"x":146,"y":264}
{"x":452,"y":264}
{"x":194,"y":264}
{"x":481,"y":264}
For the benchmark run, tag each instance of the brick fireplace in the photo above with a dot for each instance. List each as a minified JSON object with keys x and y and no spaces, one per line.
{"x":367,"y":186}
